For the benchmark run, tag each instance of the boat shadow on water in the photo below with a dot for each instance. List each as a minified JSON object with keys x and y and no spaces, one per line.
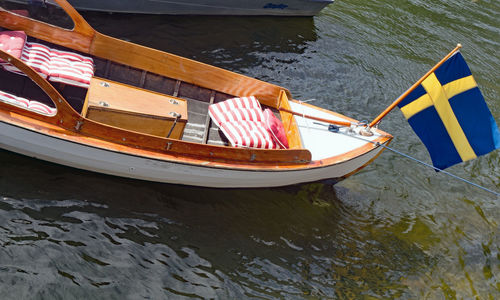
{"x":51,"y":181}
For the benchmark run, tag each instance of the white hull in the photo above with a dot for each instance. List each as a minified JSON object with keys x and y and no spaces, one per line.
{"x":99,"y":160}
{"x":207,"y":7}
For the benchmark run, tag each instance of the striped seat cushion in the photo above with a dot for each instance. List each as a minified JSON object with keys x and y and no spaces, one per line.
{"x":243,"y":123}
{"x":27,"y":104}
{"x":55,"y":65}
{"x":219,"y":112}
{"x":237,"y":114}
{"x":12,"y":42}
{"x":37,"y":56}
{"x":248,"y":134}
{"x":70,"y":68}
{"x":11,"y":99}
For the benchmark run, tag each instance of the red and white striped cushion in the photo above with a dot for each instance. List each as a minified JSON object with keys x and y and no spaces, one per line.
{"x":234,"y":115}
{"x":218,"y":110}
{"x":241,"y":102}
{"x":243,"y":123}
{"x":56,"y":65}
{"x":41,"y":108}
{"x":12,"y":42}
{"x":37,"y":56}
{"x":11,"y":99}
{"x":248,"y":134}
{"x":70,"y":68}
{"x":27,"y":104}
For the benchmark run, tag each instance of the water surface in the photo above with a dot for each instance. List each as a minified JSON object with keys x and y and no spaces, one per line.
{"x":394,"y":230}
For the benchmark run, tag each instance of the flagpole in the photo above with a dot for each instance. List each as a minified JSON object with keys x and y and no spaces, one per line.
{"x":400,"y":98}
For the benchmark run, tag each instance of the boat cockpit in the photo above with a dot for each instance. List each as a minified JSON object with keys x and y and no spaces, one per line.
{"x":113,"y":93}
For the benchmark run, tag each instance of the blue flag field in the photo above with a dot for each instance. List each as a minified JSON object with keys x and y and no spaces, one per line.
{"x":449,"y":114}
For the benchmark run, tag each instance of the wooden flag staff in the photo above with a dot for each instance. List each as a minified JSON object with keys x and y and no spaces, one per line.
{"x":397,"y":101}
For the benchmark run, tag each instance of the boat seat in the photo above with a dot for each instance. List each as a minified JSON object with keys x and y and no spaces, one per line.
{"x":245,"y":125}
{"x":31,"y":105}
{"x":54,"y":65}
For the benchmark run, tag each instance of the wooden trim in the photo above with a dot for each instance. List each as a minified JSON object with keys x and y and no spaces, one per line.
{"x":139,"y":144}
{"x":85,"y":105}
{"x":177,"y":88}
{"x":289,"y":123}
{"x":184,"y":69}
{"x":65,"y":113}
{"x":207,"y":120}
{"x":80,"y":38}
{"x":81,"y":25}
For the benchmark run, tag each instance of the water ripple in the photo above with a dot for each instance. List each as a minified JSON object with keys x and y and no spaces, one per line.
{"x":393,"y":231}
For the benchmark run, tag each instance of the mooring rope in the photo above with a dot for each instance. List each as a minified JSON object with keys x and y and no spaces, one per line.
{"x":424,"y":163}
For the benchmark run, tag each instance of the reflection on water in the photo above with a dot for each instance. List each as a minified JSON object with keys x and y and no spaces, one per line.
{"x":101,"y":236}
{"x":394,"y":230}
{"x":227,"y":42}
{"x":86,"y":230}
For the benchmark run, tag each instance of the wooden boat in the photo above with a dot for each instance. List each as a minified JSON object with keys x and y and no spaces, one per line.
{"x":204,"y":7}
{"x":143,"y":113}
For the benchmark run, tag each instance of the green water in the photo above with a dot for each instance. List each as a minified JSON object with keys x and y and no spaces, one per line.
{"x":396,"y":230}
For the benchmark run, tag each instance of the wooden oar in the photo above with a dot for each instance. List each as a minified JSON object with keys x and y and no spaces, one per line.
{"x":341,"y":123}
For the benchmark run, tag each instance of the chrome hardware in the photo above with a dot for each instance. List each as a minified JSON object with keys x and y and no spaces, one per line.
{"x":78,"y":125}
{"x":104,"y":84}
{"x":173,"y":101}
{"x":177,"y":116}
{"x":366,"y":131}
{"x":102,"y":103}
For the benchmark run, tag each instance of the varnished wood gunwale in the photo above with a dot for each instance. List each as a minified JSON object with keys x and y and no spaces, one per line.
{"x":80,"y":38}
{"x":65,"y":113}
{"x":23,"y":121}
{"x":183,"y":69}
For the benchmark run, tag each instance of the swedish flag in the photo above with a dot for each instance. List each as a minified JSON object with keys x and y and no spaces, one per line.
{"x":450,"y":116}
